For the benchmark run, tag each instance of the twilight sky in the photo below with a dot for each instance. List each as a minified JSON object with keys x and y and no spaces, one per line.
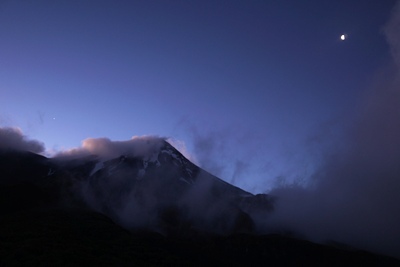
{"x":252,"y":89}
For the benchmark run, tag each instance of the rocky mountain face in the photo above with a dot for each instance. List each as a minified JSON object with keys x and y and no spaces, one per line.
{"x":162,"y":191}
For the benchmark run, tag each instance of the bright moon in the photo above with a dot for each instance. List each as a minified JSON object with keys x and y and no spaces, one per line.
{"x":343,"y":37}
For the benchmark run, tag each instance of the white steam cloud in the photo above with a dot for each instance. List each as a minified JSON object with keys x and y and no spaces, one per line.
{"x":137,"y":146}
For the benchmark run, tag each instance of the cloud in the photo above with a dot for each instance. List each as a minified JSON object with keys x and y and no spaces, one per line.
{"x":137,"y":146}
{"x":216,"y":150}
{"x":354,"y":194}
{"x":183,"y":149}
{"x":209,"y":148}
{"x":242,"y":156}
{"x":13,"y":138}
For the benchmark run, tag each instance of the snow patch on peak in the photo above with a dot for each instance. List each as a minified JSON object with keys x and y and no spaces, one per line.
{"x":98,"y":166}
{"x":153,"y":158}
{"x":113,"y":165}
{"x":173,"y":155}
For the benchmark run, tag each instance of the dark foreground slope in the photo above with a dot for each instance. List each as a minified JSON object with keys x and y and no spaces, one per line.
{"x":43,"y":223}
{"x":85,"y":238}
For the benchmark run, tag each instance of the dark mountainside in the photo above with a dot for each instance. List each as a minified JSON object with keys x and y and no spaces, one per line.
{"x":152,"y":210}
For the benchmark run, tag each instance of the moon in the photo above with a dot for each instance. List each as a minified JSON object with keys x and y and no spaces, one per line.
{"x":343,"y":37}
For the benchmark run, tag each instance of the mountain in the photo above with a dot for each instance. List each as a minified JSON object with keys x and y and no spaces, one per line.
{"x":23,"y":183}
{"x":162,"y":191}
{"x":149,"y":209}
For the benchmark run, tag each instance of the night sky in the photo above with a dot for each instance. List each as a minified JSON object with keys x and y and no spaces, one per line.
{"x":253,"y":91}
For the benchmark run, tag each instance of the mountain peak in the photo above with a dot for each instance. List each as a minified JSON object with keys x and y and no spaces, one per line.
{"x":139,"y":189}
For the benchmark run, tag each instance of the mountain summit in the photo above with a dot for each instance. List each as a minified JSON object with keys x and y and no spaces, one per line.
{"x":155,"y":188}
{"x":163,"y":191}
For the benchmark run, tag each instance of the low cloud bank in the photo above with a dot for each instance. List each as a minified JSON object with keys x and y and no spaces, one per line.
{"x":137,"y":146}
{"x":13,"y":138}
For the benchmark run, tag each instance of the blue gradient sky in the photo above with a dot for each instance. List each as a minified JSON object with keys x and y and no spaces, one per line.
{"x":246,"y":84}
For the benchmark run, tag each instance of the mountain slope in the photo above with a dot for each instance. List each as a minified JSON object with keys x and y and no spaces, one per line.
{"x":69,"y":211}
{"x":85,"y":238}
{"x":163,"y":191}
